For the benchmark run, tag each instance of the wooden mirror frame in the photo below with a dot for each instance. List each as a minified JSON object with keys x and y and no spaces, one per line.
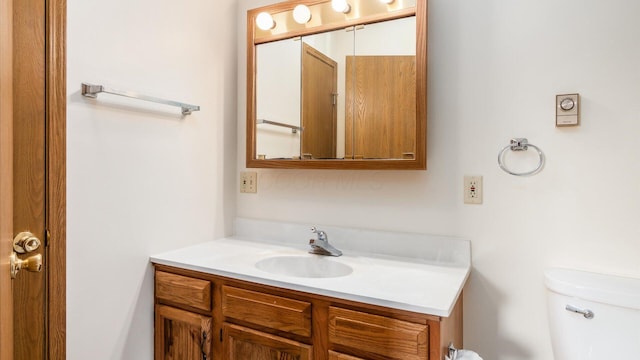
{"x":419,"y":162}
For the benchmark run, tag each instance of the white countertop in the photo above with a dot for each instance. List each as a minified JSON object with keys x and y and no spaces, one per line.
{"x":418,"y":285}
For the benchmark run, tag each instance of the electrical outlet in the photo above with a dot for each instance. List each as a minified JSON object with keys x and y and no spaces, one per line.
{"x":248,"y":182}
{"x":473,"y":189}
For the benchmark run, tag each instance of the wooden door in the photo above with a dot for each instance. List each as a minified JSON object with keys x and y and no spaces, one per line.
{"x":242,"y":343}
{"x":381,"y":107}
{"x":319,"y":111}
{"x":181,"y":335}
{"x":32,"y":180}
{"x":29,"y":177}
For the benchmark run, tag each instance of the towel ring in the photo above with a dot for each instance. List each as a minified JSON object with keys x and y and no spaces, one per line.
{"x":520,"y":144}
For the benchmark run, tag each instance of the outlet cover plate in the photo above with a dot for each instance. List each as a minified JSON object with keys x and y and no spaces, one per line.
{"x":472,"y":190}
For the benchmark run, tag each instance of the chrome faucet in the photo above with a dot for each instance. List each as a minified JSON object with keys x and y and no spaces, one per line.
{"x":321,"y":246}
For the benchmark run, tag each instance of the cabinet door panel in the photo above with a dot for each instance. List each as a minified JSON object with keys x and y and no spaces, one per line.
{"x":242,"y":343}
{"x":392,"y":338}
{"x":181,"y":335}
{"x":376,"y":130}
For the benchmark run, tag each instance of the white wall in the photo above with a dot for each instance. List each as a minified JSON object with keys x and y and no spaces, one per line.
{"x":494,"y":70}
{"x":141,"y":178}
{"x":278,"y":64}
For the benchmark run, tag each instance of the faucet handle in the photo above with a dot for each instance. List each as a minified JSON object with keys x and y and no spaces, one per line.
{"x":322,"y":236}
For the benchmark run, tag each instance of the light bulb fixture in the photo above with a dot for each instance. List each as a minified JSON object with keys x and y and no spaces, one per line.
{"x":341,"y":6}
{"x":265,"y":21}
{"x":301,"y":14}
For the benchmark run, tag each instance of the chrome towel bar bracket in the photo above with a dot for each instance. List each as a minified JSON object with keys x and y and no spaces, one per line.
{"x":92,"y":91}
{"x":520,"y":144}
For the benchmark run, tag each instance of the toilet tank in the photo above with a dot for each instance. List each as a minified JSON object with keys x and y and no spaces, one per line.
{"x":593,"y":316}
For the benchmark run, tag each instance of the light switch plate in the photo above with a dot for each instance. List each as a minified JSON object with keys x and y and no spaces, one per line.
{"x":248,"y":182}
{"x":567,"y":110}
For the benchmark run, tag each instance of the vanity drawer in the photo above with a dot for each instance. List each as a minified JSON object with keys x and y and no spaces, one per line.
{"x":392,"y":338}
{"x":182,"y":290}
{"x":267,"y":310}
{"x":338,"y":356}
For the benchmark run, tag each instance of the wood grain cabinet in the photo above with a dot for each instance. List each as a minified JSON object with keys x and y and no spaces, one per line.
{"x":381,"y":335}
{"x":181,"y":335}
{"x":182,"y":328}
{"x":244,"y":343}
{"x":203,"y":316}
{"x":338,"y":356}
{"x":274,"y":312}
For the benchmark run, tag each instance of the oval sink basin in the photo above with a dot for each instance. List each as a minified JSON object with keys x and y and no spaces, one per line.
{"x":304,"y":266}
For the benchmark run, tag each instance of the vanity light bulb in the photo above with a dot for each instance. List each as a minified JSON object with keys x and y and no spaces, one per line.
{"x":341,"y":6}
{"x":265,"y":21}
{"x":386,"y":1}
{"x":301,"y":14}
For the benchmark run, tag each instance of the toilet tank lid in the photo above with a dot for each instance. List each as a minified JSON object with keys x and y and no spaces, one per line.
{"x":607,"y":289}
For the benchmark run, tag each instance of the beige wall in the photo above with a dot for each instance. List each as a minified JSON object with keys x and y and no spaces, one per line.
{"x":494,"y":70}
{"x":142,"y":179}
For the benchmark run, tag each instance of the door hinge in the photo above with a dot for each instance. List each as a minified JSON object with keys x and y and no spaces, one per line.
{"x":47,"y":237}
{"x":204,"y":345}
{"x":354,"y":28}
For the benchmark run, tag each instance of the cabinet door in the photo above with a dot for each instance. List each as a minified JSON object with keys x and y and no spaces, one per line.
{"x":181,"y":335}
{"x":242,"y":343}
{"x":374,"y":129}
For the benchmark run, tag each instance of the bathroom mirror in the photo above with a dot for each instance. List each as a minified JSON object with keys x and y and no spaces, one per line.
{"x":339,"y":91}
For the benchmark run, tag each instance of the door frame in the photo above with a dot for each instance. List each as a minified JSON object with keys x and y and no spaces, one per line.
{"x":56,"y":144}
{"x":55,"y":27}
{"x":309,"y":52}
{"x":6,"y":177}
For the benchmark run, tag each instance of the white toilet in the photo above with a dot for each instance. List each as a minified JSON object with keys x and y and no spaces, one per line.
{"x":593,"y":316}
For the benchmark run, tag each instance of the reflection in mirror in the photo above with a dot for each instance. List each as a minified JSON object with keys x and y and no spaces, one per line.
{"x":354,"y":107}
{"x":340,"y":91}
{"x":381,"y":88}
{"x":278,"y":99}
{"x":323,"y":93}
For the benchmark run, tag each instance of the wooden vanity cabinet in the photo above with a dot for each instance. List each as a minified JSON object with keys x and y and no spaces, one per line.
{"x":203,"y":316}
